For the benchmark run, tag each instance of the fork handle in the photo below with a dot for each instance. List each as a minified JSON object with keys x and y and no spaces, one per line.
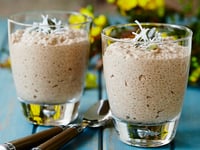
{"x":60,"y":139}
{"x":30,"y":141}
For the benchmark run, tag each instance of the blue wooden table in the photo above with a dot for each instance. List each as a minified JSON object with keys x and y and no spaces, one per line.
{"x":13,"y":125}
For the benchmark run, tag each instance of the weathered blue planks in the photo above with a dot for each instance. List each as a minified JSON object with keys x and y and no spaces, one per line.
{"x":188,"y":134}
{"x":12,"y":122}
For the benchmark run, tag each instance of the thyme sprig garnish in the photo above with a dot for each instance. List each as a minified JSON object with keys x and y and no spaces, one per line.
{"x":147,"y":37}
{"x":48,"y":25}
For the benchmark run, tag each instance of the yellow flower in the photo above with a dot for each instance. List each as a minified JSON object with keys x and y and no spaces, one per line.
{"x":100,"y":20}
{"x":73,"y":19}
{"x":98,"y":23}
{"x":96,"y":31}
{"x":161,"y":11}
{"x":160,"y":3}
{"x":91,"y":80}
{"x":127,"y":5}
{"x":87,"y":12}
{"x":142,"y":3}
{"x":154,"y":4}
{"x":92,"y":40}
{"x":151,"y":4}
{"x":111,"y":1}
{"x":195,"y":75}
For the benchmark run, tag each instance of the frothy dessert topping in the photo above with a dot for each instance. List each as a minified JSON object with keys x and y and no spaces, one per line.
{"x":49,"y":61}
{"x":146,"y":86}
{"x":39,"y":38}
{"x":49,"y":32}
{"x":146,"y":81}
{"x":49,"y":25}
{"x":148,"y":38}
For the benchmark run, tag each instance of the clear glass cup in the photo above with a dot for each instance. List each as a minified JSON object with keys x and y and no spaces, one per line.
{"x":146,"y":77}
{"x":49,"y":55}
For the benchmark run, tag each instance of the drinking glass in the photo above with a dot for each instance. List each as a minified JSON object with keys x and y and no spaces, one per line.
{"x":146,"y":71}
{"x":49,"y":54}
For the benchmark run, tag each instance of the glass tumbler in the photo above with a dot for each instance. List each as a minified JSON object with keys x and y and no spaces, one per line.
{"x":146,"y":71}
{"x":49,"y":54}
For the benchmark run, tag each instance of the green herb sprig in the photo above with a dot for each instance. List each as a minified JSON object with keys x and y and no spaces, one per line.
{"x":48,"y":25}
{"x":147,"y":37}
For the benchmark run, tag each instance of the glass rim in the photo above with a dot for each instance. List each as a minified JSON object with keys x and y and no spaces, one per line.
{"x":40,"y":12}
{"x":175,"y":26}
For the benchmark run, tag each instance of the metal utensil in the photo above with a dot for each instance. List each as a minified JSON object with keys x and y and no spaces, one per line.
{"x":96,"y":116}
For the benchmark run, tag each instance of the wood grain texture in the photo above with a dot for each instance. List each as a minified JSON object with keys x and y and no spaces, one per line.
{"x":188,"y":133}
{"x":12,"y":123}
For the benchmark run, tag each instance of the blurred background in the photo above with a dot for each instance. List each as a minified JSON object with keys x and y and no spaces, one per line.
{"x":8,"y":7}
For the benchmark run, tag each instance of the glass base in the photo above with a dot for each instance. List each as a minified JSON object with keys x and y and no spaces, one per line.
{"x":50,"y":115}
{"x":142,"y":135}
